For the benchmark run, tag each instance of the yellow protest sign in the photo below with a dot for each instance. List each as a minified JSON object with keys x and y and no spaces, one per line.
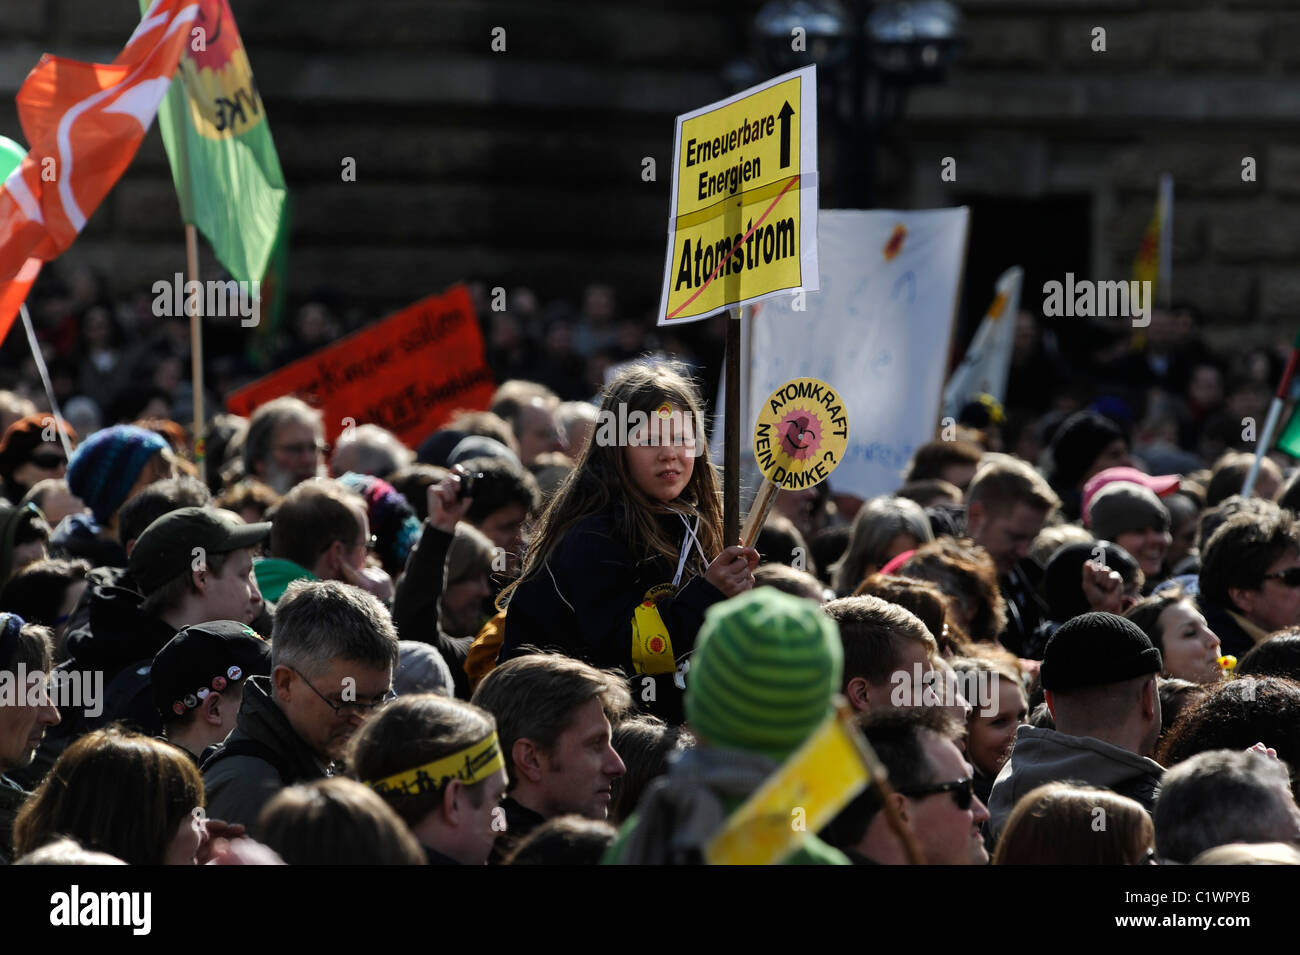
{"x":805,"y":794}
{"x":743,"y":223}
{"x":801,"y":435}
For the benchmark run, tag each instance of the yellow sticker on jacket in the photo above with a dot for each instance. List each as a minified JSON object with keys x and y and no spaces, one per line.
{"x":652,"y":648}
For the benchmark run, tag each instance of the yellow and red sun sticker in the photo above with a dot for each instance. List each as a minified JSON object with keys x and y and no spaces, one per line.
{"x":223,"y":99}
{"x":802,"y":433}
{"x":652,"y":647}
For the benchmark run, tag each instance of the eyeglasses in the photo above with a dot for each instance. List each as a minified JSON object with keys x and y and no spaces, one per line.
{"x":963,"y":791}
{"x":1290,"y":577}
{"x":350,"y":707}
{"x":48,"y":462}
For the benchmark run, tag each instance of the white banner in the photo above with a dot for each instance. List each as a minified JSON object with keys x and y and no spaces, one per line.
{"x":878,"y":332}
{"x":988,"y":357}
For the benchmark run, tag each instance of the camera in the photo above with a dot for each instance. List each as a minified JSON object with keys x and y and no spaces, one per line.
{"x":467,"y":481}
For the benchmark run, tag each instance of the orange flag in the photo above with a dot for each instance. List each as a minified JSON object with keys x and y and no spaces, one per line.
{"x":84,"y":122}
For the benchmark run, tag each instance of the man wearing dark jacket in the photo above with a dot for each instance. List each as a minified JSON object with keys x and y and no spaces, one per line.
{"x":159,"y":498}
{"x":416,"y":611}
{"x":1007,"y":504}
{"x":192,"y":565}
{"x":554,"y":716}
{"x":332,"y":656}
{"x":198,"y":681}
{"x":1099,"y":671}
{"x":1250,"y":579}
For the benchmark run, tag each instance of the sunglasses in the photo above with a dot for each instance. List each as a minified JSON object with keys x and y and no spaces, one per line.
{"x":1290,"y":577}
{"x":963,"y":791}
{"x":48,"y":462}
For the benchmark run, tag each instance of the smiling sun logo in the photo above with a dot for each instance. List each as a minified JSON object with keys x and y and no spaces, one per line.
{"x":223,"y":98}
{"x":801,"y":433}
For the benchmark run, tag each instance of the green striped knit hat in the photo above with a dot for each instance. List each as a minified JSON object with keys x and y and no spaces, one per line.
{"x":765,"y":669}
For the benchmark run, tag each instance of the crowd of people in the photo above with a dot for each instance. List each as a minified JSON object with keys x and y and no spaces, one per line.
{"x":525,"y":643}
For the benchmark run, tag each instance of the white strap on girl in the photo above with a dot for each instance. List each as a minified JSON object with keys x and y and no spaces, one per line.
{"x":686,"y":548}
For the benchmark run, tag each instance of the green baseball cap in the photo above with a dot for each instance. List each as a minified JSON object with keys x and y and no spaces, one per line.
{"x":169,"y":545}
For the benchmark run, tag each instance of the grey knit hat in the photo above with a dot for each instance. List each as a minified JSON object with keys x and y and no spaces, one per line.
{"x":1122,"y":508}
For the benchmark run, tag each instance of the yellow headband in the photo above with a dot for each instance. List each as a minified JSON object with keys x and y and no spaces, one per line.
{"x":470,"y":765}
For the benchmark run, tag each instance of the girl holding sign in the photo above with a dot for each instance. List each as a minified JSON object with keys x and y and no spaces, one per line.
{"x":619,"y":572}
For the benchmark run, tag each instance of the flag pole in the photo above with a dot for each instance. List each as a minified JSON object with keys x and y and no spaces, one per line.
{"x":45,"y":379}
{"x":1274,"y":413}
{"x":731,"y":434}
{"x":196,"y":341}
{"x":1165,"y":269}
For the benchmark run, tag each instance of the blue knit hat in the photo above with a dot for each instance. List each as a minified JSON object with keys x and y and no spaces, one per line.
{"x":392,"y":519}
{"x":105,"y":467}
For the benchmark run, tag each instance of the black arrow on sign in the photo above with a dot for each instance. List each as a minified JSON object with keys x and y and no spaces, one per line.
{"x":785,"y":114}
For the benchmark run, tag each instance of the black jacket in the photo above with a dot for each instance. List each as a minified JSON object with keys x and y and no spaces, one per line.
{"x":520,"y":821}
{"x":117,"y":632}
{"x":582,"y":603}
{"x":260,"y":757}
{"x":97,"y":577}
{"x":12,"y":798}
{"x":112,"y":653}
{"x":1232,"y":638}
{"x":415,"y":604}
{"x":1026,"y":610}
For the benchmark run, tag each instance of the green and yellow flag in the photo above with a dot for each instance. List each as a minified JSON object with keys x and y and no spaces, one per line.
{"x":818,"y":780}
{"x":218,"y":140}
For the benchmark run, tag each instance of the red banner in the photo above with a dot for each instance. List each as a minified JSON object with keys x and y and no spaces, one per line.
{"x":407,"y":373}
{"x":84,"y":123}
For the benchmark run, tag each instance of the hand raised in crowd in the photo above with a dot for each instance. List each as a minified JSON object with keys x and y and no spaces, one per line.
{"x":216,"y":829}
{"x":1263,"y":750}
{"x":373,"y":580}
{"x":1103,"y":587}
{"x":732,"y":571}
{"x":241,"y":851}
{"x":446,"y":507}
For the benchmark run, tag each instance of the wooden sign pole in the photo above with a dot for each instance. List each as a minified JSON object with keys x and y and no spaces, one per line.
{"x":731,"y":434}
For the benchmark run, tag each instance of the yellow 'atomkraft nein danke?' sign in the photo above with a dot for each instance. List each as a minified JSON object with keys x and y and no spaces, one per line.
{"x":743,"y":223}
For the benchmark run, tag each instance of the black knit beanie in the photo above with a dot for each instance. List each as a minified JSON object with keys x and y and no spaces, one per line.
{"x":1094,"y":649}
{"x":1076,"y":445}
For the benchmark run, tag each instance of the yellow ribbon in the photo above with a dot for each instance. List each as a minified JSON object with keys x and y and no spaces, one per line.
{"x":470,"y":765}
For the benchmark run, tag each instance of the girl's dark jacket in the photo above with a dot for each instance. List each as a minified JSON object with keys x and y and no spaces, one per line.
{"x":583,"y":599}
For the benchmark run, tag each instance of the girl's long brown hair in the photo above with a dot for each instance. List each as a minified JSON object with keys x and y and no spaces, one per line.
{"x":601,"y":481}
{"x":113,"y":791}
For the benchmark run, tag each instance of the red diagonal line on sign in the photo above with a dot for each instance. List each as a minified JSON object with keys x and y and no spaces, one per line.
{"x":677,"y":311}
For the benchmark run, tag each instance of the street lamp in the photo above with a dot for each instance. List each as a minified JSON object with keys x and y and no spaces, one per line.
{"x":868,"y":57}
{"x":825,"y":38}
{"x":914,"y":42}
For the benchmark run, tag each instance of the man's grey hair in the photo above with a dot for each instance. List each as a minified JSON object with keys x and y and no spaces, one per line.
{"x":1223,"y":796}
{"x":261,"y":427}
{"x":369,"y":449}
{"x":572,"y":413}
{"x":321,"y":621}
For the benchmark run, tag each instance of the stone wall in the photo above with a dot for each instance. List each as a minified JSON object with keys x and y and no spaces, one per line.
{"x":524,"y":167}
{"x":1184,"y":86}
